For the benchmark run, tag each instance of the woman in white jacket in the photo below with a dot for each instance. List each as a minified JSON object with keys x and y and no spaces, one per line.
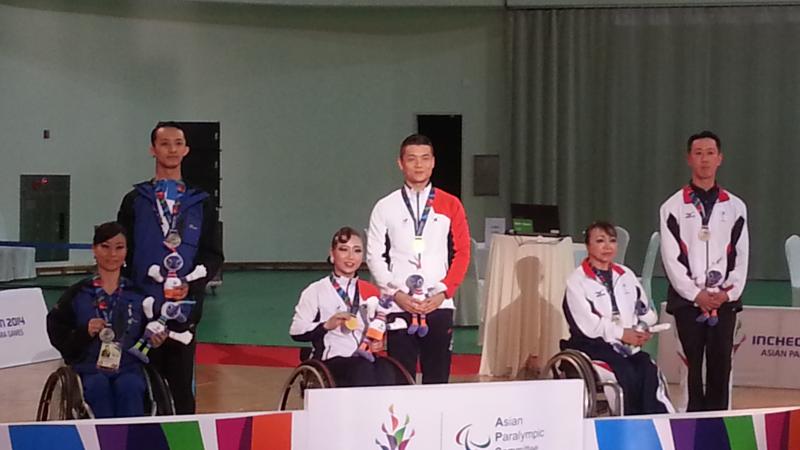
{"x":608,"y":316}
{"x":337,"y":315}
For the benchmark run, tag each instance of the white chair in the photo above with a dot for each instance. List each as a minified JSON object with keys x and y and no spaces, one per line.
{"x":650,"y":257}
{"x":469,"y":309}
{"x":623,"y":237}
{"x":793,"y":260}
{"x":579,"y":252}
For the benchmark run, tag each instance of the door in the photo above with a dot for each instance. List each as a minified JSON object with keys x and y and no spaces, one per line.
{"x":44,"y":215}
{"x":445,"y":133}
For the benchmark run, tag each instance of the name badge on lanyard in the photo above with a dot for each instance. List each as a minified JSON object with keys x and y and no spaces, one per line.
{"x":418,"y":245}
{"x":110,"y":355}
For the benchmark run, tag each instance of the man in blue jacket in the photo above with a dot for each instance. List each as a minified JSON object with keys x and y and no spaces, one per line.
{"x":172,"y":226}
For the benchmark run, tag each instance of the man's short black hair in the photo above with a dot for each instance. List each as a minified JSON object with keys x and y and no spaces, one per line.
{"x":705,"y":134}
{"x":169,"y":124}
{"x":415,"y":139}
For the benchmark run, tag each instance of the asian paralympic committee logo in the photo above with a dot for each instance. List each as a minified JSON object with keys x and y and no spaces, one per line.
{"x":462,"y":438}
{"x":396,"y":438}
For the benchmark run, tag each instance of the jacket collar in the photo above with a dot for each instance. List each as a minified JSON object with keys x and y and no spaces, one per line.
{"x":587,"y":269}
{"x":722,"y":194}
{"x":190,"y":197}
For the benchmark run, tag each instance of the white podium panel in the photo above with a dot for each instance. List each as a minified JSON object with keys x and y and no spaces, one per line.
{"x":766,"y":347}
{"x":23,"y":332}
{"x":542,"y":415}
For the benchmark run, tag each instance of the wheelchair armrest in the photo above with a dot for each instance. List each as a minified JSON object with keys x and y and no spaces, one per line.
{"x":305,"y":353}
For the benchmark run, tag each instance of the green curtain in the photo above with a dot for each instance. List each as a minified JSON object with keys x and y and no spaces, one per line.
{"x":603,"y":101}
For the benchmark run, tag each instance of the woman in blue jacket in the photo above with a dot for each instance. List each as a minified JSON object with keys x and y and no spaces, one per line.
{"x":94,"y":323}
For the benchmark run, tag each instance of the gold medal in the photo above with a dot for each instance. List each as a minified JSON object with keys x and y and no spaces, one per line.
{"x":351,"y":323}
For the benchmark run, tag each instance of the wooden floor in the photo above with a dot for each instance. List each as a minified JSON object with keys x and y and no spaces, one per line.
{"x":230,"y":388}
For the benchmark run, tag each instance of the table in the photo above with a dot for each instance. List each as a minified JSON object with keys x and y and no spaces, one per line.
{"x":17,"y":263}
{"x":523,"y":318}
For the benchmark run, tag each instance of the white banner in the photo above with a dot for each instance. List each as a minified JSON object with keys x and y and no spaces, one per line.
{"x":766,"y":348}
{"x":518,"y":415}
{"x":23,"y":333}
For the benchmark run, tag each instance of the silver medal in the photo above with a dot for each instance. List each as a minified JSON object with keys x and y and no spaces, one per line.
{"x":704,"y":234}
{"x":173,"y":239}
{"x":107,"y":334}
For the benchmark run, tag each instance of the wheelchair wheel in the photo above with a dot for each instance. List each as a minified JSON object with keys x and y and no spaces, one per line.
{"x":158,"y":397}
{"x":310,"y":374}
{"x":401,"y":375}
{"x":62,"y":398}
{"x":572,"y":364}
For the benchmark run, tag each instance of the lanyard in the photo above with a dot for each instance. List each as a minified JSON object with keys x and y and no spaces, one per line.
{"x":352,"y":306}
{"x":170,"y":215}
{"x":705,"y":215}
{"x":419,"y":223}
{"x":105,"y":303}
{"x":607,"y":279}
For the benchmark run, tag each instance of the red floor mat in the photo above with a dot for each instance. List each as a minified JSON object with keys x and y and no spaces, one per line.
{"x":257,"y":355}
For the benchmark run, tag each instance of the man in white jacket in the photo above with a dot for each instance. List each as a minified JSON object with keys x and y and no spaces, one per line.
{"x":705,"y":249}
{"x":418,"y":252}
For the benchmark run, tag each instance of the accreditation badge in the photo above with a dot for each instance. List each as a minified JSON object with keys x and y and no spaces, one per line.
{"x":418,"y":246}
{"x":110,"y":357}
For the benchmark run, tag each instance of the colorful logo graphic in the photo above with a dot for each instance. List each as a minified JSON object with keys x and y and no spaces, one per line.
{"x":396,"y":438}
{"x":462,"y":438}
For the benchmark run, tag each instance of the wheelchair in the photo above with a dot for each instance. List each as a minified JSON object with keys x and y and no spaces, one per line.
{"x":62,"y":396}
{"x":603,"y":395}
{"x":312,"y":373}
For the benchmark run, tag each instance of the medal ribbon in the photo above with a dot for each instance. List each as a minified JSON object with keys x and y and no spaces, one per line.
{"x":352,"y":306}
{"x":170,"y":215}
{"x":607,"y":280}
{"x":419,"y":224}
{"x":104,"y":302}
{"x":705,"y":216}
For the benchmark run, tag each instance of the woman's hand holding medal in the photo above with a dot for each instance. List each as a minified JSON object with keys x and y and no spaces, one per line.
{"x":337,"y":320}
{"x":94,"y":326}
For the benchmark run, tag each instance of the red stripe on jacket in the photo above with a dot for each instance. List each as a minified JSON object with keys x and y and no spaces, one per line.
{"x":450,"y":206}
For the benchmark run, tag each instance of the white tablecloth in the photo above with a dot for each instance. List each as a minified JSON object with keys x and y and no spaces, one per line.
{"x":17,"y":263}
{"x":525,"y":287}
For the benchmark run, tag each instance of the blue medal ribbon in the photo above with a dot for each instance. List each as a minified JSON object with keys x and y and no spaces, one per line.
{"x":419,"y":224}
{"x":607,"y":280}
{"x":162,"y":190}
{"x":105,"y":303}
{"x":352,"y":306}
